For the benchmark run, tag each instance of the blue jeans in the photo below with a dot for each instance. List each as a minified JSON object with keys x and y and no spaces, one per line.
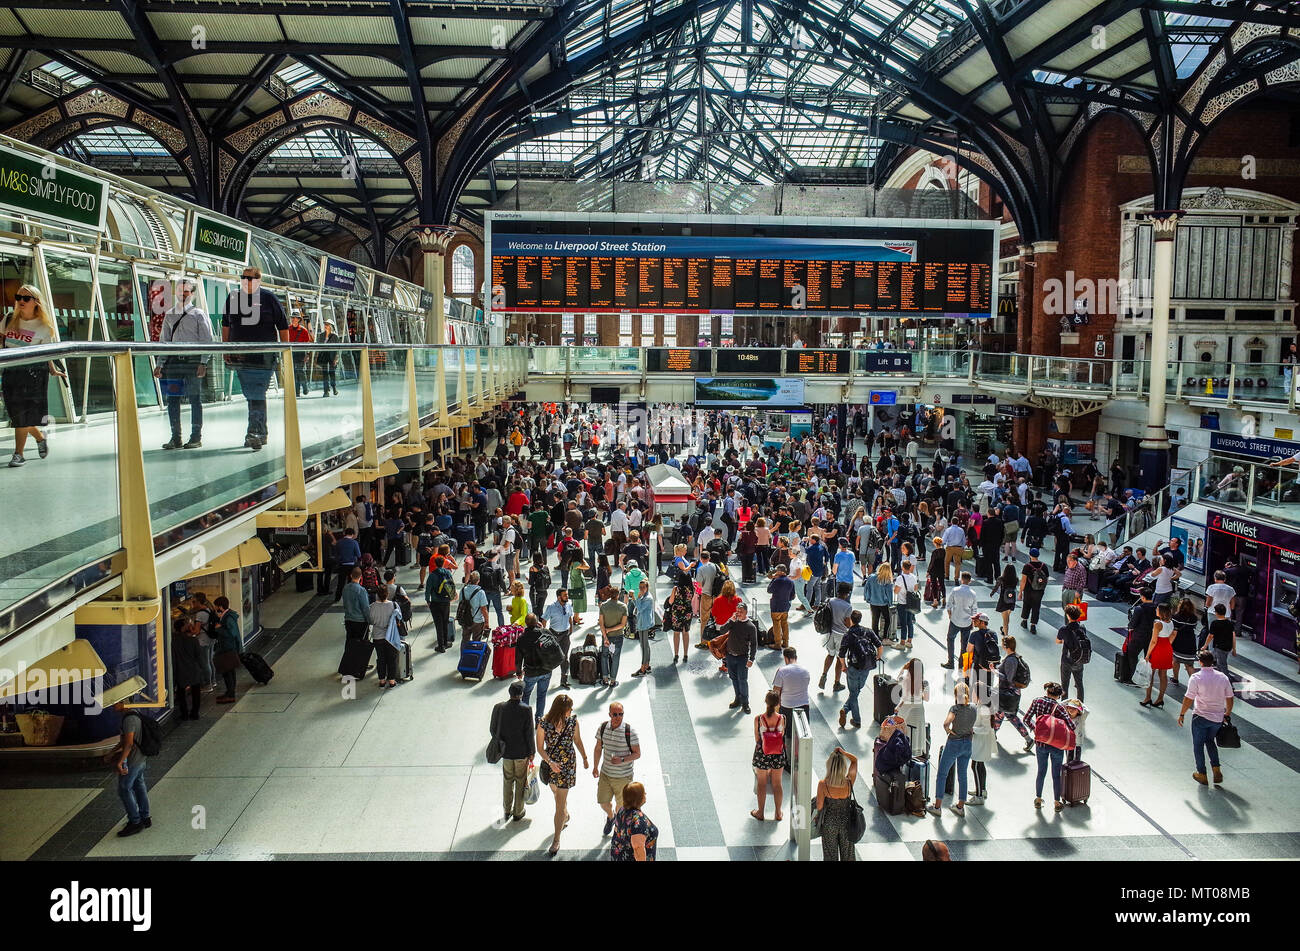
{"x":134,"y":793}
{"x":904,"y":622}
{"x":494,"y":599}
{"x":1045,"y":755}
{"x":857,"y":679}
{"x":615,"y":645}
{"x":801,"y":591}
{"x":739,"y":676}
{"x":541,"y":682}
{"x":253,"y":381}
{"x":192,"y":388}
{"x":1203,"y":733}
{"x":953,"y":631}
{"x":955,"y":751}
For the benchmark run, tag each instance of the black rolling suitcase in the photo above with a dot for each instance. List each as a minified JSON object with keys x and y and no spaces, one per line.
{"x":890,"y":792}
{"x":257,"y":668}
{"x":1076,"y":783}
{"x":356,"y":657}
{"x":883,"y":688}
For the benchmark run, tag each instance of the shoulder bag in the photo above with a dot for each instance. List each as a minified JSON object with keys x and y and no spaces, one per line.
{"x":496,"y":749}
{"x":913,"y":597}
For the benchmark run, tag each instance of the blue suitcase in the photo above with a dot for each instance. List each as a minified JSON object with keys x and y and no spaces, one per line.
{"x":463,"y":534}
{"x":474,"y":657}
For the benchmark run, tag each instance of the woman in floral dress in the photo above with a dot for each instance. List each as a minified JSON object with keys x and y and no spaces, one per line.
{"x":557,"y":735}
{"x":635,"y":837}
{"x":678,"y":618}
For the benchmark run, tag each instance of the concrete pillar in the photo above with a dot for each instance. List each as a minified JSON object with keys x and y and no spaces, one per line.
{"x":433,"y":242}
{"x":1154,"y":449}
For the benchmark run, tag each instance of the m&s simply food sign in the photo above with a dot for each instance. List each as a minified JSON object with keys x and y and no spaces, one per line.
{"x":46,"y":189}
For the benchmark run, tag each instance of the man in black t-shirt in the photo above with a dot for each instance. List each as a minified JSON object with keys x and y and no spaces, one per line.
{"x":252,"y":314}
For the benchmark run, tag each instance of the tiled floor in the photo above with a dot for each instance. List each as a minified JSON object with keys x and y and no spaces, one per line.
{"x":295,"y":770}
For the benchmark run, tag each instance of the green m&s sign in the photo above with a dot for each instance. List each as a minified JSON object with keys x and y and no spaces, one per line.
{"x":48,"y":190}
{"x":216,"y":239}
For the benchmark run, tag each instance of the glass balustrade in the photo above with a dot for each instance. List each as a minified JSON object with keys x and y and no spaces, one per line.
{"x":451,"y":375}
{"x":388,"y":392}
{"x":426,"y":382}
{"x":63,"y":518}
{"x":605,"y":360}
{"x":1252,"y":487}
{"x":331,"y":425}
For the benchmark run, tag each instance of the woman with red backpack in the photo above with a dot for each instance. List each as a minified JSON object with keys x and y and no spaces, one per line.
{"x":770,"y":755}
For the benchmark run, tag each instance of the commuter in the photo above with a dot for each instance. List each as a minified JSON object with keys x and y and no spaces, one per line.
{"x":906,"y":600}
{"x":641,"y":611}
{"x":613,"y":628}
{"x":781,"y":589}
{"x":635,"y":837}
{"x":617,"y":749}
{"x":1185,"y":650}
{"x":962,"y":604}
{"x":557,"y":736}
{"x":983,"y":745}
{"x":253,"y":314}
{"x":539,"y":583}
{"x":188,"y":668}
{"x":439,"y":592}
{"x":954,"y":542}
{"x":879,"y":592}
{"x":328,"y":362}
{"x":742,"y":645}
{"x":1076,"y":579}
{"x":204,"y":614}
{"x":1005,"y":589}
{"x":1160,"y":654}
{"x":834,"y":790}
{"x":300,"y":334}
{"x":935,"y":593}
{"x":25,"y":386}
{"x":859,"y":649}
{"x":492,"y":579}
{"x":791,"y":683}
{"x":959,"y":725}
{"x":529,"y":663}
{"x":1075,"y":649}
{"x":473,"y":596}
{"x":1141,"y":623}
{"x":1049,"y":705}
{"x":558,"y":618}
{"x":771,"y":757}
{"x":677,"y":614}
{"x":387,"y":659}
{"x":1221,"y":639}
{"x":512,"y":725}
{"x":131,"y":762}
{"x":183,"y":375}
{"x":1033,"y":585}
{"x":841,"y":610}
{"x":1209,"y":696}
{"x":226,"y":658}
{"x":704,"y":577}
{"x":518,"y":604}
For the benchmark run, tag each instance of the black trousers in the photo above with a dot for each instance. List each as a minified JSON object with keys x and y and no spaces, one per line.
{"x":345,"y":575}
{"x":323,"y":579}
{"x":1030,"y":606}
{"x":441,"y":611}
{"x":189,"y":700}
{"x":397,"y":545}
{"x":355,"y":630}
{"x":229,"y":678}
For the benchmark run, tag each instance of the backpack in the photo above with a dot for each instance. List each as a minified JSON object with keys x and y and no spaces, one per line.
{"x":1038,"y":578}
{"x":822,"y":618}
{"x":1084,"y":653}
{"x":627,"y":733}
{"x":490,"y":578}
{"x":1021,"y":678}
{"x":859,"y":657}
{"x":465,"y":613}
{"x":548,"y":653}
{"x":150,"y":739}
{"x":370,"y":581}
{"x":403,"y":602}
{"x":718,"y":581}
{"x":541,"y":580}
{"x":446,"y":589}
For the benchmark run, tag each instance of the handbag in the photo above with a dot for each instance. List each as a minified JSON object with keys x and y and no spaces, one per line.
{"x":815,"y":830}
{"x":544,"y":773}
{"x":1228,"y":738}
{"x":496,"y":749}
{"x":857,"y":827}
{"x":718,"y":646}
{"x":533,"y":791}
{"x":225,"y":661}
{"x":912,"y":597}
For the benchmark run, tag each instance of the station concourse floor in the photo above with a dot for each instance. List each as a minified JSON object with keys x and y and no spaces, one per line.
{"x":294,"y":771}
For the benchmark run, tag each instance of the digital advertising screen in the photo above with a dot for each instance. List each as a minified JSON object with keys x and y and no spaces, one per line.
{"x":733,"y":393}
{"x":649,"y":264}
{"x":674,"y":360}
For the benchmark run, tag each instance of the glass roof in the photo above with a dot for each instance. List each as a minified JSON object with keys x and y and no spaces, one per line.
{"x":300,"y":78}
{"x":321,"y":144}
{"x":119,"y":140}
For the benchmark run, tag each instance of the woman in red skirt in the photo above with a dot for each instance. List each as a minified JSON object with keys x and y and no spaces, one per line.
{"x":1160,"y":654}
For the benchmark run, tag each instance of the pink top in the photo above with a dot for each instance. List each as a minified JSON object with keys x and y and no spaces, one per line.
{"x":764,"y":535}
{"x":1209,"y":690}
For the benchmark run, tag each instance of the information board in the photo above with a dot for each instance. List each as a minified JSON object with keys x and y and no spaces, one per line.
{"x":669,"y":360}
{"x":887,"y":361}
{"x":578,"y":263}
{"x":731,"y":360}
{"x":803,"y":360}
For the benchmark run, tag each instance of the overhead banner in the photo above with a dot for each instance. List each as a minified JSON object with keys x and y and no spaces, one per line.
{"x":733,"y":393}
{"x":340,"y":275}
{"x":217,"y":239}
{"x":48,"y":190}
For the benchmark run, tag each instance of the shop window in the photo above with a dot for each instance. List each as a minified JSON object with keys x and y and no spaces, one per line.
{"x":1256,"y":314}
{"x":624,"y":327}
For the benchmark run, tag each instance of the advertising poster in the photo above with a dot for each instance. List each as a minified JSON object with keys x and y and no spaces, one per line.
{"x":1193,"y":539}
{"x":727,"y":392}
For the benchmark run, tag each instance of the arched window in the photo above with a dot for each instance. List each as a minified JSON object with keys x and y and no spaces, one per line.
{"x":462,"y":270}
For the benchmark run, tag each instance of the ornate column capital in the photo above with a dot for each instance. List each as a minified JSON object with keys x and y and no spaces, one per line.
{"x":1046,"y":247}
{"x":434,"y":238}
{"x":1164,"y":224}
{"x":1024,"y":250}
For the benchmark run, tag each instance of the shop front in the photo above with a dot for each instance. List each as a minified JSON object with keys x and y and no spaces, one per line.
{"x":1273,"y":556}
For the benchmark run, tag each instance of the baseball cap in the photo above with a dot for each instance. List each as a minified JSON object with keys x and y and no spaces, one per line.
{"x":1033,"y":553}
{"x":980,"y":616}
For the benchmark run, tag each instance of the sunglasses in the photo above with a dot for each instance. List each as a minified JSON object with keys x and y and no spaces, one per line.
{"x":249,"y":277}
{"x":615,"y":716}
{"x":23,"y":297}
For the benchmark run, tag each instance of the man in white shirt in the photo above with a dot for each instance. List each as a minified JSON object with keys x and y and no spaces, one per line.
{"x":1209,"y":693}
{"x":1220,"y":593}
{"x":791,"y":682}
{"x":962,"y":605}
{"x":702,"y":540}
{"x":618,"y":527}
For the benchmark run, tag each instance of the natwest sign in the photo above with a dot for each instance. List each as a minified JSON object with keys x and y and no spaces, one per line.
{"x":1237,"y":526}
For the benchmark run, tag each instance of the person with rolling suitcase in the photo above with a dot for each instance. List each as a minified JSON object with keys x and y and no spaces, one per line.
{"x":382,"y":613}
{"x":1053,"y":731}
{"x":226,"y":634}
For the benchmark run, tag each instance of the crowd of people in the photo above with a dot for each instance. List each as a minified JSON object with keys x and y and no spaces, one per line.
{"x":559,"y":510}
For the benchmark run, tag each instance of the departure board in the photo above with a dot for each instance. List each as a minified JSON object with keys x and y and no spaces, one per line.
{"x":670,"y":360}
{"x":803,"y":360}
{"x":594,"y":263}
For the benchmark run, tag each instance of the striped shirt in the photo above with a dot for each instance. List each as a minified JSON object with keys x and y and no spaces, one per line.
{"x":616,"y":741}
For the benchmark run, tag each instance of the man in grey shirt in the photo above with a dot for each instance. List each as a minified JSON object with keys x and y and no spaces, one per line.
{"x":130,"y":762}
{"x":182,"y":375}
{"x":705,"y":574}
{"x":840,"y":611}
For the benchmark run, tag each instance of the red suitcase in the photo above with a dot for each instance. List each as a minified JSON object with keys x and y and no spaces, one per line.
{"x":503,"y":662}
{"x":1076,"y":783}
